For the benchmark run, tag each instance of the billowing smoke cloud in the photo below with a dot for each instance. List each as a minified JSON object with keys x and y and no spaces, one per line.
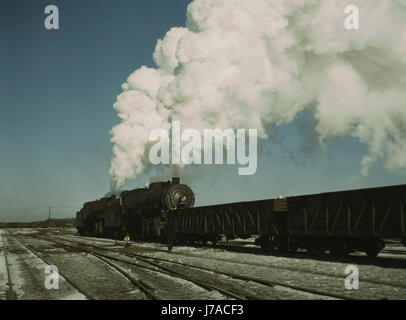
{"x":247,"y":64}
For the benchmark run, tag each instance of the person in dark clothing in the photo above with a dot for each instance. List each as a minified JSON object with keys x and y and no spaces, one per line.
{"x":171,"y":231}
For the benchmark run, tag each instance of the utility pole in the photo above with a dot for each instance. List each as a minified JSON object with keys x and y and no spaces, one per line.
{"x":49,"y":219}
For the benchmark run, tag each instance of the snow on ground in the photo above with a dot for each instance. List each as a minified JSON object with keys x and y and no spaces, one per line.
{"x":28,"y":275}
{"x":3,"y":270}
{"x":196,"y":292}
{"x":15,"y":270}
{"x":381,"y":280}
{"x":318,"y":274}
{"x":310,"y":273}
{"x":74,"y":296}
{"x":25,"y":231}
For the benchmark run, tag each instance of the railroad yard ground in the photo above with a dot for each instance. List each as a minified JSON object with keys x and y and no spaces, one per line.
{"x":95,"y":268}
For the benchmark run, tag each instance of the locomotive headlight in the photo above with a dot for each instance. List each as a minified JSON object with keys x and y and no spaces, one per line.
{"x":183,"y":199}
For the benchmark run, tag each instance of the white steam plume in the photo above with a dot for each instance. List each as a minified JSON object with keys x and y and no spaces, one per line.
{"x":246,"y":64}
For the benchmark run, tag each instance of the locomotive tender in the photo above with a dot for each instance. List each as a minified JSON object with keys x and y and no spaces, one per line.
{"x":338,"y":222}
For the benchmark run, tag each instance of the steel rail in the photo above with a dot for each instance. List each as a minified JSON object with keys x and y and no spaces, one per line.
{"x":263,"y":282}
{"x":83,"y":291}
{"x":169,"y":271}
{"x":137,"y":283}
{"x":9,"y":282}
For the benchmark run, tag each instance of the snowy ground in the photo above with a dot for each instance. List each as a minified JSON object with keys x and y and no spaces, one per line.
{"x":383,"y":278}
{"x":3,"y":271}
{"x":375,"y":282}
{"x":28,"y":275}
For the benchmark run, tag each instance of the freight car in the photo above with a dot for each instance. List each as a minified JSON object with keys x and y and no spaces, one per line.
{"x":339,"y":222}
{"x":139,"y":213}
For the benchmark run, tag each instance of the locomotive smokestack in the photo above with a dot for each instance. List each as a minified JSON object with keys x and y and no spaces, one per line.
{"x":175,"y":180}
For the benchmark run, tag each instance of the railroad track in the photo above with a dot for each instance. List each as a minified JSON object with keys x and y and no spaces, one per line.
{"x":355,"y":259}
{"x":138,"y":284}
{"x":251,"y":247}
{"x":11,"y":295}
{"x":239,"y":246}
{"x":68,"y":279}
{"x":396,"y":285}
{"x":400,"y":252}
{"x":153,"y":267}
{"x":166,"y":265}
{"x":284,"y":268}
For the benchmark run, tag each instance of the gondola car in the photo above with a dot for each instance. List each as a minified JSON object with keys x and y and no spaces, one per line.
{"x":338,"y":222}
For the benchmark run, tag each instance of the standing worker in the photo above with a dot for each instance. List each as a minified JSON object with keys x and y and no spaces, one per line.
{"x":171,"y":233}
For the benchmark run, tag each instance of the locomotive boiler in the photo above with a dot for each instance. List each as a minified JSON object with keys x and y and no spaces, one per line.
{"x":139,"y":213}
{"x":144,"y":211}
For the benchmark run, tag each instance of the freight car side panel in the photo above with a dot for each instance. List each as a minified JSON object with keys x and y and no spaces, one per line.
{"x":243,"y":218}
{"x":368,"y":213}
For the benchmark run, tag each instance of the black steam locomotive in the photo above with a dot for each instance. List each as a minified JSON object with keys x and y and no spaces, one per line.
{"x":139,"y":213}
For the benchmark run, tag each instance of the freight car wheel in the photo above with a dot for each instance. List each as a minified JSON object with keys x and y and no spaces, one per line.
{"x":373,"y":250}
{"x":317,"y":249}
{"x":267,"y":247}
{"x":340,"y":250}
{"x":283,"y":248}
{"x":312,"y":251}
{"x":293,"y":246}
{"x":372,"y":253}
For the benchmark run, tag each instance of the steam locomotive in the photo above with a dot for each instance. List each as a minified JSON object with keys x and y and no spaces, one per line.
{"x":139,"y":213}
{"x":338,"y":222}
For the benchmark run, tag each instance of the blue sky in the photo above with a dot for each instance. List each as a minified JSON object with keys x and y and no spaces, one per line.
{"x":57,"y":90}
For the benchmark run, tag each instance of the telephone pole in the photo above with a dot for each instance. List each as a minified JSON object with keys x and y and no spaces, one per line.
{"x":49,"y":219}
